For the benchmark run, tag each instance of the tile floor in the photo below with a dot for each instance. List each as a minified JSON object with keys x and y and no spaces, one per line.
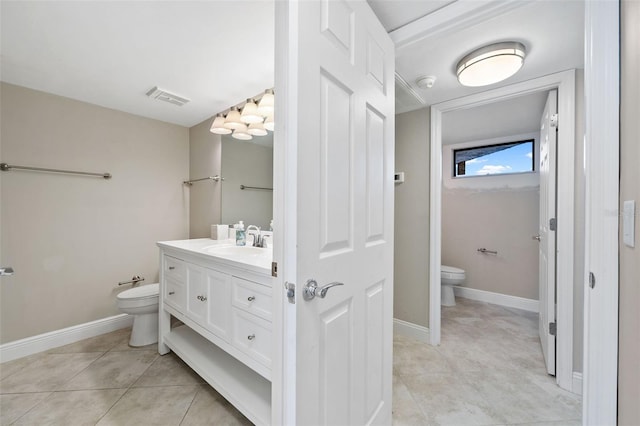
{"x":488,"y":371}
{"x":103,"y":381}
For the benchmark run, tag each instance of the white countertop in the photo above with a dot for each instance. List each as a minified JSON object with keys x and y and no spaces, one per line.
{"x":249,"y":258}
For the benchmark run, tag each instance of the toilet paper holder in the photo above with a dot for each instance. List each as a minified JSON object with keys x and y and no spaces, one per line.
{"x":485,"y":251}
{"x":134,"y":280}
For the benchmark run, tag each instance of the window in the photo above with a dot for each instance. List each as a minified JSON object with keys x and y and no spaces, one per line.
{"x":510,"y":157}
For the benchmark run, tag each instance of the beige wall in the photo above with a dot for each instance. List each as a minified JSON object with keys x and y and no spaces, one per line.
{"x":70,"y":239}
{"x":411,"y":258}
{"x":629,"y":346}
{"x":204,"y":160}
{"x":498,"y":219}
{"x":247,"y":163}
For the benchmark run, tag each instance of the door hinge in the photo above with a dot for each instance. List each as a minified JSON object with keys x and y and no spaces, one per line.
{"x":554,"y":120}
{"x":553,"y":326}
{"x":274,"y":269}
{"x":552,"y":224}
{"x":291,"y":291}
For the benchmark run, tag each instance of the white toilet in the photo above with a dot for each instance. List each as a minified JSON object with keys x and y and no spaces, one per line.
{"x":142,"y":303}
{"x":450,"y":276}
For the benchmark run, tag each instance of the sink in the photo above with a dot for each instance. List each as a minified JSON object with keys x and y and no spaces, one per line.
{"x":239,"y":251}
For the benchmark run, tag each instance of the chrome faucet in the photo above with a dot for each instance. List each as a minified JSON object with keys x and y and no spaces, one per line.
{"x":257,"y":237}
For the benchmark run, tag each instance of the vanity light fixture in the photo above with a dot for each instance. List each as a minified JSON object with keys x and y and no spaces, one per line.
{"x":257,"y":129}
{"x":265,"y":106}
{"x":250,"y":113}
{"x":258,"y":116}
{"x":232,"y":121}
{"x":490,"y":64}
{"x":217,"y":126}
{"x":268,"y":123}
{"x":242,"y":133}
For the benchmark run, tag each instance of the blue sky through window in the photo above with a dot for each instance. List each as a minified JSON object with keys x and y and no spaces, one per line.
{"x":515,"y":159}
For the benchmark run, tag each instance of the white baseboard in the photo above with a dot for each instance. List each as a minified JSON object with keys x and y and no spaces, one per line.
{"x":497,"y":298}
{"x":53,"y":339}
{"x":409,"y":329}
{"x":576,"y":386}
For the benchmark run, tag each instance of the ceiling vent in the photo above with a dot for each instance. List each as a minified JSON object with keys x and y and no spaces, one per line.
{"x":163,"y":95}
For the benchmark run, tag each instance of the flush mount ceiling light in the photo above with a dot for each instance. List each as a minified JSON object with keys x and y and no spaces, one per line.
{"x":490,"y":64}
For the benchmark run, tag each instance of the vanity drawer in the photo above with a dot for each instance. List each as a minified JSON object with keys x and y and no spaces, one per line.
{"x":252,"y":297}
{"x":174,"y":268}
{"x":252,"y":335}
{"x":175,"y":294}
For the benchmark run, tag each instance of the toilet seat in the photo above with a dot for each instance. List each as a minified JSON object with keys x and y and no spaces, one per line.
{"x":451,"y":273}
{"x":139,"y":296}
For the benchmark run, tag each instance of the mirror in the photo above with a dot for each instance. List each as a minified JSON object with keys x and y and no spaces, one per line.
{"x":248,"y":165}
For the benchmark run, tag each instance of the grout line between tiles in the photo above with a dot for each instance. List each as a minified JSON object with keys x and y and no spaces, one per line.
{"x":190,"y":405}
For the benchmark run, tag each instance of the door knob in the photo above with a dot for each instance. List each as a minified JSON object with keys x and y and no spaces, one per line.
{"x":6,"y":271}
{"x":311,"y":289}
{"x":536,"y":237}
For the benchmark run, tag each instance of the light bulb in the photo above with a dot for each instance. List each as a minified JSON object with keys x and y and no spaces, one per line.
{"x":250,"y":113}
{"x":269,"y":124}
{"x":265,"y":106}
{"x":233,"y":119}
{"x":242,"y":133}
{"x":257,"y":129}
{"x":217,"y":126}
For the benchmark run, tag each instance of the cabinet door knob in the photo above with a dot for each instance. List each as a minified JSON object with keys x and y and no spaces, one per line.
{"x":251,"y":336}
{"x":251,"y":298}
{"x":171,"y":293}
{"x":171,"y":268}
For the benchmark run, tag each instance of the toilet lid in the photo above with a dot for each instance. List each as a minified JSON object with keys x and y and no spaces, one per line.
{"x":451,"y":269}
{"x":142,"y":292}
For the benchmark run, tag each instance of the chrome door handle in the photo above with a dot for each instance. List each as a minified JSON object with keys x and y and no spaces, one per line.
{"x":6,"y":271}
{"x":536,"y":237}
{"x":311,"y":289}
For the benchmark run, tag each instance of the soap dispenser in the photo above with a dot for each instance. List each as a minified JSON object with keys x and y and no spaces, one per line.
{"x":240,"y":234}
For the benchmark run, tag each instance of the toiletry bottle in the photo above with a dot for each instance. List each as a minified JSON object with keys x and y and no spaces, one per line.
{"x":271,"y":225}
{"x":240,"y":235}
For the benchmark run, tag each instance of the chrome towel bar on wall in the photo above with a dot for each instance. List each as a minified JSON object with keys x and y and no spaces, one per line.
{"x":215,"y":178}
{"x":255,"y":187}
{"x":8,"y":167}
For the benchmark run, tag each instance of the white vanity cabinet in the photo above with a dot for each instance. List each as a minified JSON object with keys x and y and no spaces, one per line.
{"x":226,"y":311}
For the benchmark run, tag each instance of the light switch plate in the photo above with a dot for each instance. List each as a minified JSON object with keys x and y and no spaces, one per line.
{"x":628,"y":222}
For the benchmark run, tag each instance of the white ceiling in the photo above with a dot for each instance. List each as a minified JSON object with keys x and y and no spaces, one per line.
{"x":507,"y":118}
{"x":217,"y":53}
{"x":110,"y":53}
{"x":432,"y":44}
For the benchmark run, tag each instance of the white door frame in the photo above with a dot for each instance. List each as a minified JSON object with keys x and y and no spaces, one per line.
{"x":565,"y":83}
{"x":602,"y":147}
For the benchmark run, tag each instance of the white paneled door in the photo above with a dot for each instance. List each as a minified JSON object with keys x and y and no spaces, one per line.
{"x":339,"y":138}
{"x":547,"y":235}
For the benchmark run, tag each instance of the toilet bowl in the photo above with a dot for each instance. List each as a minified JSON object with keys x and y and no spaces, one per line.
{"x":142,"y":303}
{"x":449,"y":276}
